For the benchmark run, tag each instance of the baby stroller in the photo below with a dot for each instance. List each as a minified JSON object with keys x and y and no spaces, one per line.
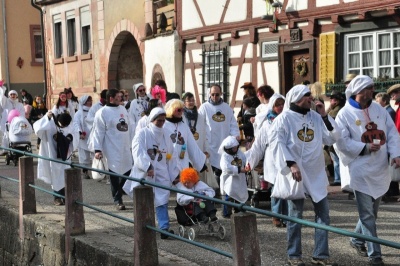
{"x":18,"y":134}
{"x":186,"y":218}
{"x":258,"y":188}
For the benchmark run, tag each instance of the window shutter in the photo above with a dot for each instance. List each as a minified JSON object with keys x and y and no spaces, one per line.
{"x":327,"y":57}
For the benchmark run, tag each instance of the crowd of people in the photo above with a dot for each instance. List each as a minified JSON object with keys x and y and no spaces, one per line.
{"x":159,"y":136}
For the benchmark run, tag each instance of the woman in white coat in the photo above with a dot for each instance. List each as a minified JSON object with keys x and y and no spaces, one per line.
{"x":51,"y":172}
{"x":156,"y":161}
{"x":184,"y":143}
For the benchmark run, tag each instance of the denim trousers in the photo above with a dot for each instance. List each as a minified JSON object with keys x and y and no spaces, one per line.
{"x":321,"y":210}
{"x":368,"y":213}
{"x":162,"y":216}
{"x":279,"y":205}
{"x":116,"y":186}
{"x":336,"y":167}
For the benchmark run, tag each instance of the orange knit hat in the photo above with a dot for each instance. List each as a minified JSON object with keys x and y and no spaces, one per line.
{"x":189,"y":175}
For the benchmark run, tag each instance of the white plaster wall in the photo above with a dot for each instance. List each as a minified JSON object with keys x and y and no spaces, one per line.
{"x":163,"y":50}
{"x":190,"y":17}
{"x":259,"y":8}
{"x":236,"y":11}
{"x":236,"y":51}
{"x":296,"y":5}
{"x":212,"y":10}
{"x":272,"y":73}
{"x":196,"y":55}
{"x":321,"y":3}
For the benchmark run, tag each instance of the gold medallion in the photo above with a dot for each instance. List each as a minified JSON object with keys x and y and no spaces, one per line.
{"x":358,"y":122}
{"x":196,"y":136}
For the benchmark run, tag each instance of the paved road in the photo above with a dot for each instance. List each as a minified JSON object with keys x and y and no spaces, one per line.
{"x":116,"y":236}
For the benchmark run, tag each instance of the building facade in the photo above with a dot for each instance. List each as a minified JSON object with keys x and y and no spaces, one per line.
{"x":21,"y":55}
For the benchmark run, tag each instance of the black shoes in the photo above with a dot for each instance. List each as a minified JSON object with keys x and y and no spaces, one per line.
{"x":59,"y":202}
{"x":335,"y":184}
{"x":164,"y":236}
{"x":376,"y":262}
{"x":120,"y":207}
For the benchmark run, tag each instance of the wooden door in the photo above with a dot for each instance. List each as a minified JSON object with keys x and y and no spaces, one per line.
{"x":297,"y":70}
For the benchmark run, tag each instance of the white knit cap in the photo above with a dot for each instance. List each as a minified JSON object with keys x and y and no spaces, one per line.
{"x":12,"y":91}
{"x":227,"y":143}
{"x":137,"y":86}
{"x":295,"y":94}
{"x":156,"y":112}
{"x":357,"y":84}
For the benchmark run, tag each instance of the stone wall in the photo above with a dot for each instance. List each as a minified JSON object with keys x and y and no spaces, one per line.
{"x":44,"y":243}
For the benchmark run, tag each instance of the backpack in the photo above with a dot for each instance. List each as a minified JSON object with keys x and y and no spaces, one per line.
{"x":63,"y":143}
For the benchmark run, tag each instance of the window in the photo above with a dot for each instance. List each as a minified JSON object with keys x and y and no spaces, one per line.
{"x":376,"y":54}
{"x":71,"y":37}
{"x":215,"y":69}
{"x":85,"y":30}
{"x":269,"y":50}
{"x":58,"y":51}
{"x":36,"y":45}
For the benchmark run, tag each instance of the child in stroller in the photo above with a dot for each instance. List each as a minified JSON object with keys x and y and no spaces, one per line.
{"x":18,"y":133}
{"x":194,"y":211}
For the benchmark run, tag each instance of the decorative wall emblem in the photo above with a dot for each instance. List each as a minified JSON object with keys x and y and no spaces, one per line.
{"x":295,"y":35}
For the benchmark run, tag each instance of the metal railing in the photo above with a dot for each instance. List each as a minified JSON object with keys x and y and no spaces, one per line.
{"x":145,"y":194}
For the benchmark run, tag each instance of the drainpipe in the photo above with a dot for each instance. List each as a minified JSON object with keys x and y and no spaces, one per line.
{"x":6,"y":46}
{"x":33,"y":3}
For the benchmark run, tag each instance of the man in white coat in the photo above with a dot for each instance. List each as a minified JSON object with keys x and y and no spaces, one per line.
{"x":368,"y":136}
{"x":111,"y":137}
{"x":220,"y":123}
{"x":297,"y":137}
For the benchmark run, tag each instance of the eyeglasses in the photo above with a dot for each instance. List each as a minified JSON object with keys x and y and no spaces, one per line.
{"x":160,"y":120}
{"x":141,"y":90}
{"x":215,"y":94}
{"x":126,"y":95}
{"x":308,"y":94}
{"x":179,"y":110}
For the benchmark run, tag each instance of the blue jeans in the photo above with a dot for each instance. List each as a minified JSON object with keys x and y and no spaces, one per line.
{"x":336,"y":167}
{"x":321,"y":209}
{"x":368,"y":212}
{"x":162,"y":216}
{"x":279,"y":205}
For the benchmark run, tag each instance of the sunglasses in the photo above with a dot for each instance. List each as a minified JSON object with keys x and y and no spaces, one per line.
{"x":308,"y":94}
{"x":126,"y":95}
{"x":215,"y":94}
{"x":141,"y":90}
{"x":179,"y":110}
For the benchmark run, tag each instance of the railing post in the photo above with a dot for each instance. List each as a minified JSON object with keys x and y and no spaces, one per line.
{"x":74,"y":218}
{"x":245,"y":245}
{"x":27,"y":198}
{"x":145,"y":245}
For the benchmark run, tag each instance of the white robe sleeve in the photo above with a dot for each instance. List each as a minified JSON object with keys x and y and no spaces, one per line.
{"x":42,"y":125}
{"x":139,"y":152}
{"x":196,"y":156}
{"x":99,"y":132}
{"x":234,"y":128}
{"x":257,"y":150}
{"x":183,"y":199}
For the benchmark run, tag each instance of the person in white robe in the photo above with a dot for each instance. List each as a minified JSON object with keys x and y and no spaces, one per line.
{"x":111,"y":133}
{"x":180,"y":134}
{"x":296,"y":138}
{"x":264,"y":94}
{"x":63,"y":106}
{"x":368,"y":137}
{"x":8,"y":104}
{"x":261,"y":149}
{"x":95,"y":107}
{"x":144,"y":121}
{"x":156,"y":161}
{"x":220,"y":123}
{"x":203,"y":210}
{"x":233,"y":179}
{"x":82,"y":131}
{"x":52,"y":172}
{"x":138,"y":106}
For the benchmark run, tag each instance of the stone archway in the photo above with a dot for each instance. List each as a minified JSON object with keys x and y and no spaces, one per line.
{"x":124,"y":57}
{"x":157,"y":74}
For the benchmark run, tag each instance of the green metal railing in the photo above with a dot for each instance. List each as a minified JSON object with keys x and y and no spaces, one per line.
{"x":242,"y":207}
{"x":380,"y":86}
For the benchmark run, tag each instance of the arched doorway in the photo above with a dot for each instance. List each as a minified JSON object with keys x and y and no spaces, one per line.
{"x":125,"y":66}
